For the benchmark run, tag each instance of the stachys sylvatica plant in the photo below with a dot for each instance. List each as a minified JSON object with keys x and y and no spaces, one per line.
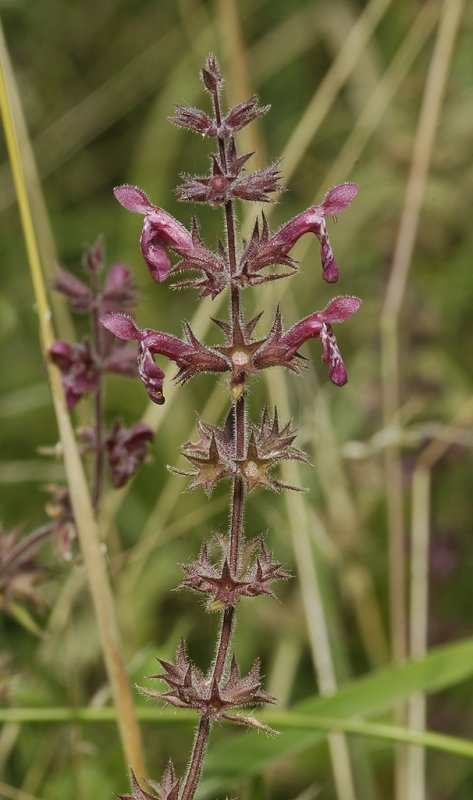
{"x":247,"y":456}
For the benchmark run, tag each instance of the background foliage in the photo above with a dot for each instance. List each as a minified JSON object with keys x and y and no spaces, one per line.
{"x":97,"y":82}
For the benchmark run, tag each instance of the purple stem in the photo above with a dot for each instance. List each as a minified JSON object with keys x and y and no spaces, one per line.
{"x":98,"y":411}
{"x":197,"y":759}
{"x":25,"y":545}
{"x":236,"y":520}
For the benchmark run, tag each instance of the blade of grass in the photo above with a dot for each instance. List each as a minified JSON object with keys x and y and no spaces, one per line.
{"x":80,"y":497}
{"x":369,"y":696}
{"x":285,"y":721}
{"x":376,"y":730}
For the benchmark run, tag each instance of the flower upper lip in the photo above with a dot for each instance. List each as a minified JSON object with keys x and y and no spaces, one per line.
{"x":160,"y":230}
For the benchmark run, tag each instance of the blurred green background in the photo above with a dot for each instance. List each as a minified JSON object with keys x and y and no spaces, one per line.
{"x":97,"y":81}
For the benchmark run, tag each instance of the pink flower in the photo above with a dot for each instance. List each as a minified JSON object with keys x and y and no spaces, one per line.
{"x":161,"y":231}
{"x":313,"y":221}
{"x":79,"y":369}
{"x":280,"y":348}
{"x":191,"y":356}
{"x":127,"y":448}
{"x":119,"y":291}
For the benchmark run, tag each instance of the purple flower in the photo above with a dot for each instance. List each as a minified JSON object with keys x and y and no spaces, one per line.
{"x":119,"y":290}
{"x":160,"y":231}
{"x":313,"y":221}
{"x":78,"y":367}
{"x":280,"y":348}
{"x":190,"y":356}
{"x":74,"y":289}
{"x":127,"y":448}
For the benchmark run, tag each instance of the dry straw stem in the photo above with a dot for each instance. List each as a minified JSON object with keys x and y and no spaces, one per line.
{"x":239,"y":82}
{"x":382,"y":95}
{"x":415,"y":190}
{"x":44,"y":234}
{"x":79,"y":492}
{"x":10,"y":793}
{"x":419,"y":580}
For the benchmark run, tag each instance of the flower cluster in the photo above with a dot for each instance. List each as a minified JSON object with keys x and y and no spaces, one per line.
{"x":84,"y":364}
{"x":247,"y":456}
{"x":254,"y":575}
{"x":241,"y":354}
{"x":162,"y":234}
{"x":190,"y":688}
{"x":213,"y":455}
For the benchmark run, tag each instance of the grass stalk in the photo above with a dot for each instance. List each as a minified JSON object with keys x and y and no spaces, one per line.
{"x":383,"y":94}
{"x":10,"y":793}
{"x":418,"y":618}
{"x":419,"y":586}
{"x":80,"y":497}
{"x":239,"y":83}
{"x":419,"y":169}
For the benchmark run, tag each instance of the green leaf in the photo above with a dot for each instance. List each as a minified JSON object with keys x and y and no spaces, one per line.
{"x":233,"y":760}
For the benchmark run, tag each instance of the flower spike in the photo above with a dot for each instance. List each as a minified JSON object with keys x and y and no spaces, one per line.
{"x":247,"y":455}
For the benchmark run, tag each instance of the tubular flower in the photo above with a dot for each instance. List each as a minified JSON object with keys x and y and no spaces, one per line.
{"x":191,"y":356}
{"x":120,"y":289}
{"x":160,"y":231}
{"x":313,"y":221}
{"x":280,"y":348}
{"x":127,"y":448}
{"x":79,"y":369}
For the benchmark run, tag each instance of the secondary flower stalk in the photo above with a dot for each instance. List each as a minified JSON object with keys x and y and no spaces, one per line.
{"x":85,"y":365}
